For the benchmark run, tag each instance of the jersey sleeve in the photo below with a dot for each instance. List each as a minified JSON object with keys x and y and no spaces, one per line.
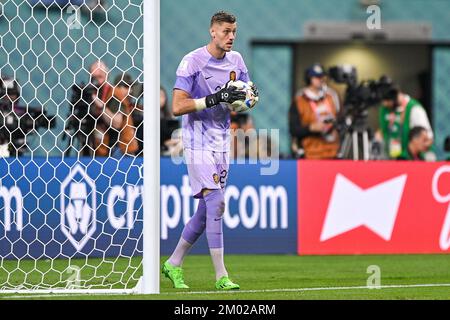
{"x":185,"y":75}
{"x":244,"y":76}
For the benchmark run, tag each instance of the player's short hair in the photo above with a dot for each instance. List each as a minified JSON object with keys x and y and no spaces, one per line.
{"x":222,"y":16}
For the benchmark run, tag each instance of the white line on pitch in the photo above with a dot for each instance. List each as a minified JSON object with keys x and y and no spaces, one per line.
{"x":311,"y":289}
{"x":430,"y":285}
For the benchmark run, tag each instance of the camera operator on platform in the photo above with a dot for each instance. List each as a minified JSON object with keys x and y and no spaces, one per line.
{"x":397,"y":115}
{"x":313,"y":116}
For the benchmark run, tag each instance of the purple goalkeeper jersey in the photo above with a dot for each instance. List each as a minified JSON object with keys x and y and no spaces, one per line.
{"x":200,"y":74}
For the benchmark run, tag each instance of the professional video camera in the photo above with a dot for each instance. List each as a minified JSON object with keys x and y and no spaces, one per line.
{"x":82,"y":118}
{"x":17,"y":121}
{"x":359,"y":97}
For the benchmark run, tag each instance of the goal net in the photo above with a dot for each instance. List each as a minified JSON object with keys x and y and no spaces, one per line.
{"x":71,"y":146}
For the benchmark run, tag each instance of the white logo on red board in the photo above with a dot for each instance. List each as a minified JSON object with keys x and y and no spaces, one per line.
{"x":444,"y":239}
{"x":351,"y":207}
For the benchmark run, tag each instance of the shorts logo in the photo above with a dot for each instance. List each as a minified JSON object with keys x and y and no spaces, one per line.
{"x":216,"y":178}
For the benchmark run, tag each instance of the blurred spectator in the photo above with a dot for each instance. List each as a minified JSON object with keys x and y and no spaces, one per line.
{"x":417,"y":145}
{"x":170,"y":145}
{"x":240,"y":147}
{"x":312,"y":117}
{"x":105,"y":117}
{"x":138,"y":119}
{"x":246,"y":142}
{"x":115,"y":133}
{"x":398,"y":114}
{"x":122,"y":103}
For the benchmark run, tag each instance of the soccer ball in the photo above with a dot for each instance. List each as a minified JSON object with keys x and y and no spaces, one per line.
{"x":250,"y":98}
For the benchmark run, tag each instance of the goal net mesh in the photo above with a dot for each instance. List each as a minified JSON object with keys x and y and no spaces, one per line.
{"x":71,"y":144}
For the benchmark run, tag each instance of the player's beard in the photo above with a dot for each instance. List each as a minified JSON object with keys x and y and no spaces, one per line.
{"x":227,"y":47}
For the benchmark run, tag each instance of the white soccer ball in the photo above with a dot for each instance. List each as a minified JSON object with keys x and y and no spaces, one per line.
{"x":250,"y":98}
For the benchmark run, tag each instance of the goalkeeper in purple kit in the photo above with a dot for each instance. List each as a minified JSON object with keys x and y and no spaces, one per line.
{"x":202,"y":95}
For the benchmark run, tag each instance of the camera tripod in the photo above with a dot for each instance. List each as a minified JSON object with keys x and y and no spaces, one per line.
{"x":356,"y":138}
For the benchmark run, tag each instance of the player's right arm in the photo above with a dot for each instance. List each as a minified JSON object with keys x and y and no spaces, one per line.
{"x":182,"y":103}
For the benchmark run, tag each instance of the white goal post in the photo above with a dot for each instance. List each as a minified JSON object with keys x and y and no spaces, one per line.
{"x":151,"y":229}
{"x":74,"y":218}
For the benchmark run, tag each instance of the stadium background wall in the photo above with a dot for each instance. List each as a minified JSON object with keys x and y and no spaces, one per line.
{"x":42,"y":85}
{"x":284,"y":21}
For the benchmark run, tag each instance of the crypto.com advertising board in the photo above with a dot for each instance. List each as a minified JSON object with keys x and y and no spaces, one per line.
{"x":259,"y":212}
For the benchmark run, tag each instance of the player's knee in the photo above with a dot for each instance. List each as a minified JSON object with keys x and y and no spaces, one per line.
{"x":197,"y":225}
{"x":215,"y":203}
{"x":198,"y":221}
{"x":221,"y":209}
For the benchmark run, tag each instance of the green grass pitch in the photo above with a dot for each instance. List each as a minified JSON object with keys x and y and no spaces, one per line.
{"x":271,"y":277}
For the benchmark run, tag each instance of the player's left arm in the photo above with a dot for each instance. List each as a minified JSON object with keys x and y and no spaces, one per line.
{"x":244,"y":76}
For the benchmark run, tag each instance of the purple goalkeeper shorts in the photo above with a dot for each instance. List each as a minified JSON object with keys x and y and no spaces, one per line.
{"x":206,"y":170}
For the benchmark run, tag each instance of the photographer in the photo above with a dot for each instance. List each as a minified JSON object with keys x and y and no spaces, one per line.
{"x":9,"y":96}
{"x":17,"y":121}
{"x":119,"y":137}
{"x":398,"y":114}
{"x":312,"y":117}
{"x":104,"y":117}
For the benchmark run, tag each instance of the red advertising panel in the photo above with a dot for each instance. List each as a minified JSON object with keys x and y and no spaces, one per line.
{"x":347,"y":207}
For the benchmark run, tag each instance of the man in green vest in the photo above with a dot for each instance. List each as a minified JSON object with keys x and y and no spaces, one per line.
{"x":398,"y":114}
